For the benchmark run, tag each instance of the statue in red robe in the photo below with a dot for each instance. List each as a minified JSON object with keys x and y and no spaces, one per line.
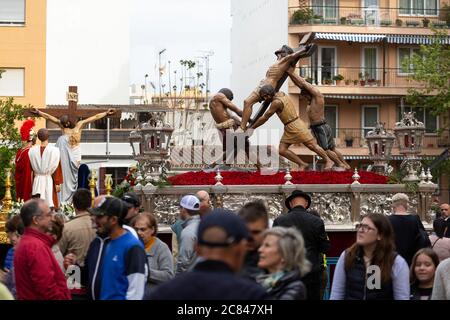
{"x":24,"y":173}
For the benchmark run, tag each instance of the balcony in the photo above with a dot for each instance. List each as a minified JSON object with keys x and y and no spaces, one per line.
{"x":96,"y":135}
{"x":372,"y":16}
{"x":358,"y":77}
{"x":354,"y":138}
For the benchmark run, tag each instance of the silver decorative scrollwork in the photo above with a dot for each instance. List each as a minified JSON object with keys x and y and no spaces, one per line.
{"x":382,"y":203}
{"x":334,"y":208}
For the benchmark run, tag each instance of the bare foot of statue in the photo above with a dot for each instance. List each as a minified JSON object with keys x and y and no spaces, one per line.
{"x":307,"y":38}
{"x":328,"y":166}
{"x":302,"y":167}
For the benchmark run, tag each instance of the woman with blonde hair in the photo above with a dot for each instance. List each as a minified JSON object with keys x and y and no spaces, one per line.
{"x":283,"y":255}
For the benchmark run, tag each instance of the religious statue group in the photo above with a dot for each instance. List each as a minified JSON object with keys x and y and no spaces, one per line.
{"x":295,"y":129}
{"x":45,"y":171}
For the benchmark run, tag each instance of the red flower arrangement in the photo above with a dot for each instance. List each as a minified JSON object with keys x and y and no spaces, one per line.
{"x":305,"y":177}
{"x":131,"y":176}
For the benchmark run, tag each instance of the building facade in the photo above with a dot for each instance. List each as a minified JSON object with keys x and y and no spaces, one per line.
{"x":358,"y":65}
{"x":23,"y":51}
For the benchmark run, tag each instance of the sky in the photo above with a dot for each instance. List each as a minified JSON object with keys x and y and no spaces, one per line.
{"x":184,"y":28}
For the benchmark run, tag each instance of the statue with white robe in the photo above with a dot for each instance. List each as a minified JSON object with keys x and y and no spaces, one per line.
{"x":44,"y":164}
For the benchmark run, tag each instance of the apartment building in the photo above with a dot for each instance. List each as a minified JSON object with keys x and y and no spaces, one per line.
{"x":358,"y":65}
{"x":23,"y":51}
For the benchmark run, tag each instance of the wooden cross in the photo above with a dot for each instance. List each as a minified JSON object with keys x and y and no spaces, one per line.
{"x":72,"y":111}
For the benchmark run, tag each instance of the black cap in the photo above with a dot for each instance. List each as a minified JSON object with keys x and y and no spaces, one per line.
{"x":110,"y":206}
{"x":131,"y":198}
{"x":230,"y":222}
{"x":295,"y":194}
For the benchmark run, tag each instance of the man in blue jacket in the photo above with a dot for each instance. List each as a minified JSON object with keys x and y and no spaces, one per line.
{"x":124,"y":262}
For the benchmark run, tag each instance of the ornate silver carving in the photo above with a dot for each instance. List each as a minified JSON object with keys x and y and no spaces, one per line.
{"x":166,"y":208}
{"x":334,"y":208}
{"x":382,"y":203}
{"x":275,"y":202}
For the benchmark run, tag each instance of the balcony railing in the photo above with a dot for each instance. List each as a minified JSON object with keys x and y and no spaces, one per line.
{"x":354,"y":138}
{"x":370,"y":16}
{"x":357,"y":76}
{"x":96,"y":135}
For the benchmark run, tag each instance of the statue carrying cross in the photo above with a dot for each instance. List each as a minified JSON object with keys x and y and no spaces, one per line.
{"x":69,"y":142}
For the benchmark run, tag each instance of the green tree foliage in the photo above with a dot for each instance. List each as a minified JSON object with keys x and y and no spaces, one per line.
{"x":431,"y":67}
{"x":9,"y":138}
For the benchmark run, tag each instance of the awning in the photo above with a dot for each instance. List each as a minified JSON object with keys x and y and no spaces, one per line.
{"x":358,"y":97}
{"x":393,"y":158}
{"x":413,"y":39}
{"x":370,"y":38}
{"x":353,"y":37}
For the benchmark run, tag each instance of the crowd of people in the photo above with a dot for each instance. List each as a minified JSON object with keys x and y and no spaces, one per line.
{"x":111,"y":251}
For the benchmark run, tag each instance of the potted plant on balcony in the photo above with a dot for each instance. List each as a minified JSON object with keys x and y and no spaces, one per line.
{"x":317,"y":19}
{"x":343,"y":20}
{"x":399,"y":22}
{"x":371,"y":81}
{"x":348,"y":81}
{"x":326,"y":81}
{"x":302,"y":16}
{"x":385,"y":23}
{"x":338,"y":78}
{"x":355,"y":82}
{"x":363,"y":78}
{"x":425,"y":22}
{"x":379,"y":83}
{"x":348,"y":137}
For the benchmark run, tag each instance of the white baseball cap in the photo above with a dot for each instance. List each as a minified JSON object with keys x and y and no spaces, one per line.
{"x":190,"y":202}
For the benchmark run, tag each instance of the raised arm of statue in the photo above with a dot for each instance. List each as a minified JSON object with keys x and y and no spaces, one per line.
{"x":303,"y":84}
{"x":96,"y":117}
{"x":46,"y":116}
{"x":230,"y":105}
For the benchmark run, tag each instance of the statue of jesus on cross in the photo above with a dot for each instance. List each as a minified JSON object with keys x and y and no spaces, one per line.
{"x":69,"y":142}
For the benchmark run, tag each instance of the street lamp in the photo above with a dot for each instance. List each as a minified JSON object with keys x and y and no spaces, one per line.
{"x":409,"y":133}
{"x":380,"y":144}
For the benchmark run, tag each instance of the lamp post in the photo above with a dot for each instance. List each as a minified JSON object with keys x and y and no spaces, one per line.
{"x":380,"y":144}
{"x":145,"y":89}
{"x":150,"y":146}
{"x":409,"y":133}
{"x":160,"y":71}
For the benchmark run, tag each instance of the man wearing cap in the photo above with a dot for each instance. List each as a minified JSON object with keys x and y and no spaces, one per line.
{"x":313,"y":231}
{"x":190,"y":206}
{"x":124,"y":261}
{"x":133,"y":205}
{"x":222,"y":240}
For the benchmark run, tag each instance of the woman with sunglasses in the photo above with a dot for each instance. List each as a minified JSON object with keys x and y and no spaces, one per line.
{"x":370,"y":269}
